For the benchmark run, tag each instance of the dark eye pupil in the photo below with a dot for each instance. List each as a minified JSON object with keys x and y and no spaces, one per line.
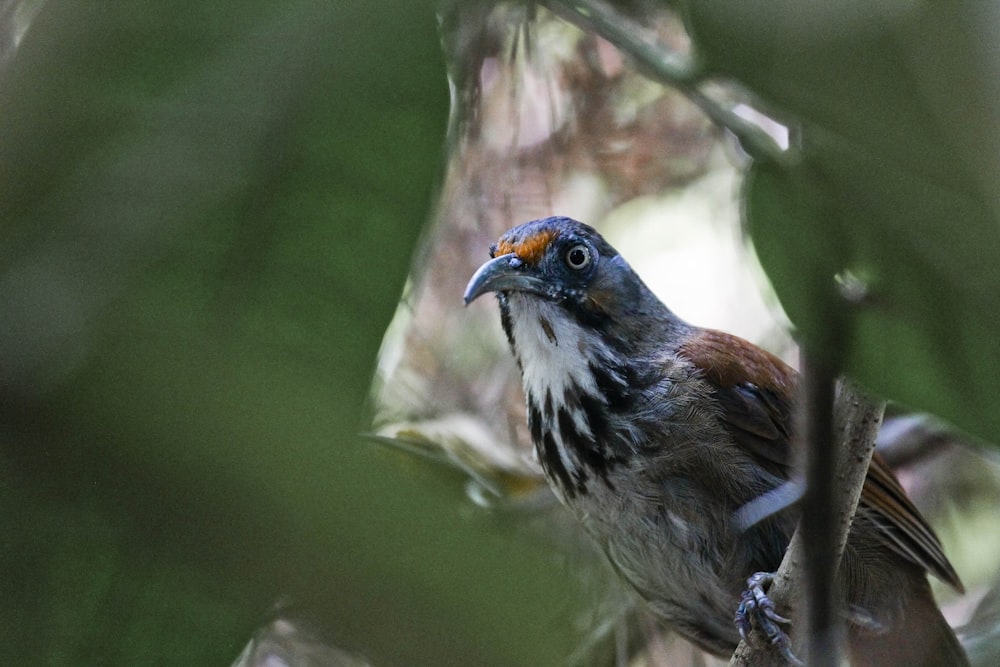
{"x":578,"y":257}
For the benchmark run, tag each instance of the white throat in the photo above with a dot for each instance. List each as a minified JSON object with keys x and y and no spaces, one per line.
{"x":554,"y":351}
{"x":555,"y":354}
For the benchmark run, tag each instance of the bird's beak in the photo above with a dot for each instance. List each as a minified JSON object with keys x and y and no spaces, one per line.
{"x":504,"y":273}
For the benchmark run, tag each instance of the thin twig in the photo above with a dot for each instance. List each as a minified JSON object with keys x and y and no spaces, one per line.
{"x":659,"y":62}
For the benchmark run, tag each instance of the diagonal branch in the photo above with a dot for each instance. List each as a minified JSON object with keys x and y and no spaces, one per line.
{"x":660,"y":63}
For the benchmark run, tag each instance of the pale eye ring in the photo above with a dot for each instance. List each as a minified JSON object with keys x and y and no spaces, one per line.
{"x":578,"y":257}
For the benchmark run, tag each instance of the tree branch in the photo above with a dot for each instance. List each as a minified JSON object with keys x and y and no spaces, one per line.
{"x":848,"y":451}
{"x":660,"y":63}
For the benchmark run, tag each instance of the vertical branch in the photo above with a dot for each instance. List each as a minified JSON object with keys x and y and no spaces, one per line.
{"x":817,"y":525}
{"x":855,"y":426}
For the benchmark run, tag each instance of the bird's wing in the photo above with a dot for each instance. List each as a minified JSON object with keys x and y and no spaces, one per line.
{"x":902,"y":526}
{"x":755,"y":392}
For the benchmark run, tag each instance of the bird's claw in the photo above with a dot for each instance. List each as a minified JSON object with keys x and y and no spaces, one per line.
{"x":756,"y":605}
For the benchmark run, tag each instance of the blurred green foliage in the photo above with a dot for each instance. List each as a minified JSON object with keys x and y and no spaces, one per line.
{"x":207,"y":211}
{"x":891,"y":186}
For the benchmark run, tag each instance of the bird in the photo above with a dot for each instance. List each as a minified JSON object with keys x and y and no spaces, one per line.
{"x":654,"y":432}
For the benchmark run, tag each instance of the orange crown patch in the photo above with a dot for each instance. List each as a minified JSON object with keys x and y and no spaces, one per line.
{"x":531,"y":249}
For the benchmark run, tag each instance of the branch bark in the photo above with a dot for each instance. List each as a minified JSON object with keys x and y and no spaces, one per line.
{"x":826,"y":519}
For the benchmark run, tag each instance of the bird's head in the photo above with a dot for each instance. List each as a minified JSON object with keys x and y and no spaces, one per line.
{"x":557,"y":259}
{"x":564,"y":270}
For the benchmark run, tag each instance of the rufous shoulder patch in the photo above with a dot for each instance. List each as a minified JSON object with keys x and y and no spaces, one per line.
{"x":728,"y":360}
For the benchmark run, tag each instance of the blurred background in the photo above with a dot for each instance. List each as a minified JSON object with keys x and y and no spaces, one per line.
{"x":244,"y":417}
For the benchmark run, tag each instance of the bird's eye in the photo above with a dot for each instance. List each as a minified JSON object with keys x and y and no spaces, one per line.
{"x":578,"y":257}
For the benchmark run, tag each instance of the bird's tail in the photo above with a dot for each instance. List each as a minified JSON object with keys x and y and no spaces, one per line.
{"x":922,"y":639}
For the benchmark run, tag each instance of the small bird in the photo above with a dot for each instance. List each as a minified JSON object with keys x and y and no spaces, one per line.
{"x":655,"y":432}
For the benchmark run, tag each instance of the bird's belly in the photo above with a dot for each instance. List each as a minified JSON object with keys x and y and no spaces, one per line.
{"x":673,"y":561}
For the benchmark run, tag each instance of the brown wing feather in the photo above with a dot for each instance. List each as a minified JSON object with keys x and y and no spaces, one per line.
{"x":904,"y":528}
{"x":753,"y":387}
{"x":755,"y":390}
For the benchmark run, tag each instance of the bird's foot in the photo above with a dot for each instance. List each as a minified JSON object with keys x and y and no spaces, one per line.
{"x":756,"y":606}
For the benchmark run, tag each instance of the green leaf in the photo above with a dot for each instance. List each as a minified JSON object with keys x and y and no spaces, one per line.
{"x":894,"y":183}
